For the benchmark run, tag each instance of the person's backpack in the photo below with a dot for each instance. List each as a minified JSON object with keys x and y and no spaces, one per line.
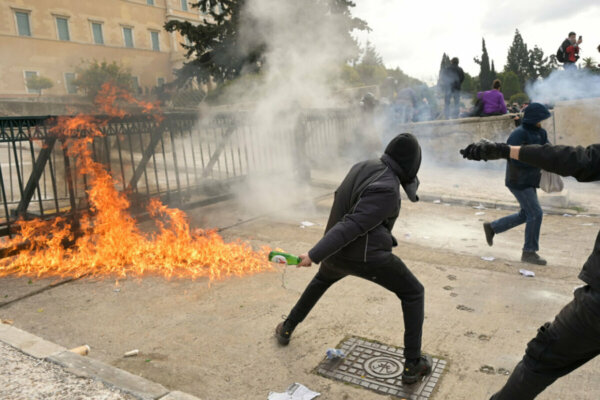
{"x":561,"y":53}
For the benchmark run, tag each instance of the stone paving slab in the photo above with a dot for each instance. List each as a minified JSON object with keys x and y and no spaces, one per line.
{"x":378,"y":367}
{"x":39,"y":348}
{"x":28,"y":343}
{"x":16,"y":288}
{"x":127,"y":382}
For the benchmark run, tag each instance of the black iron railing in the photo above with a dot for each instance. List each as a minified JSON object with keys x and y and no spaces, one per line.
{"x":182,"y":158}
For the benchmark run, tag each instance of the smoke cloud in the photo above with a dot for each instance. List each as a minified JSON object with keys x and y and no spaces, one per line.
{"x":305,"y":48}
{"x":565,"y":85}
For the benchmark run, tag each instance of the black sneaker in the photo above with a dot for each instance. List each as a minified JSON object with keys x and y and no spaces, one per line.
{"x":489,"y":233}
{"x":532,"y":257}
{"x":414,"y":372}
{"x":283,"y":332}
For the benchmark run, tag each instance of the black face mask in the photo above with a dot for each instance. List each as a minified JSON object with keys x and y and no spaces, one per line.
{"x":410,"y":188}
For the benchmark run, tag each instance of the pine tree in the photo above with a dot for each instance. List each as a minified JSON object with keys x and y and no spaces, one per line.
{"x":371,"y":56}
{"x":443,"y":64}
{"x":538,"y":64}
{"x":517,"y":60}
{"x":218,"y":51}
{"x":493,"y":72}
{"x":485,"y":73}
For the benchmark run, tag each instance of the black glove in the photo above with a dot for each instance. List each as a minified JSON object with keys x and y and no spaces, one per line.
{"x":486,"y":150}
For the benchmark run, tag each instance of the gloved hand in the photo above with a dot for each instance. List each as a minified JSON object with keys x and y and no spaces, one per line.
{"x":486,"y":150}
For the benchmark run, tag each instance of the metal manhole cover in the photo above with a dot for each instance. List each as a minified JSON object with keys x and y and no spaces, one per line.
{"x":378,"y":367}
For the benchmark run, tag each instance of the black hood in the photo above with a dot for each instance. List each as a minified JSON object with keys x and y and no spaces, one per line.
{"x":403,"y":156}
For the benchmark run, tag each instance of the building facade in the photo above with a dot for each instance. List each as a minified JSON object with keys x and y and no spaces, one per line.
{"x":51,"y":38}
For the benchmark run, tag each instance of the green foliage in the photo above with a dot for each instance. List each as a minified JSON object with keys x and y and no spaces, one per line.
{"x":371,"y":74}
{"x":519,"y":98}
{"x":510,"y":84}
{"x":403,"y":80}
{"x":371,"y":56}
{"x":91,"y":77}
{"x":538,"y":64}
{"x":517,"y":60}
{"x":38,"y":83}
{"x":470,"y":84}
{"x":350,"y":76}
{"x":591,"y":65}
{"x":219,"y":51}
{"x":485,"y":73}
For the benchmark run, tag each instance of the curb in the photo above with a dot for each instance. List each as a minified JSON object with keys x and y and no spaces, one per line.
{"x":467,"y":202}
{"x":126,"y":382}
{"x":460,"y":201}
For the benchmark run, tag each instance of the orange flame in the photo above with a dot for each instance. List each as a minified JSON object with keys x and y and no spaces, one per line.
{"x":112,"y":245}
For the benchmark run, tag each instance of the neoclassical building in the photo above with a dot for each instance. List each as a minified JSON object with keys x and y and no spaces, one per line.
{"x":52,"y":37}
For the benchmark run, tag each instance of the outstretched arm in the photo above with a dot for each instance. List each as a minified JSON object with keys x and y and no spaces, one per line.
{"x":582,"y":163}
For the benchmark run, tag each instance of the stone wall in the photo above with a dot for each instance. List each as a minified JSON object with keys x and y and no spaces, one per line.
{"x":572,"y":123}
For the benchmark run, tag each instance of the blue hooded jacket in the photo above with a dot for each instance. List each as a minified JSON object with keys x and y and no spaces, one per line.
{"x":520,"y":175}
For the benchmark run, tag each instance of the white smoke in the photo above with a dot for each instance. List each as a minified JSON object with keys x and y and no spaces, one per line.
{"x":565,"y":85}
{"x":306,"y":46}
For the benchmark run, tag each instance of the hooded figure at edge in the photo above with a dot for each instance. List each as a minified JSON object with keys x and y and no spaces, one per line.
{"x":523,"y":180}
{"x":358,"y":241}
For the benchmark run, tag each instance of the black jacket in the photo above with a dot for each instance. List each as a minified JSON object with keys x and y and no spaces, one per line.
{"x":520,"y":175}
{"x":584,"y":165}
{"x":452,"y":77}
{"x":363,"y":213}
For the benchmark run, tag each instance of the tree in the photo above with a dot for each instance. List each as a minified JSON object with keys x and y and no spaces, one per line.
{"x":517,"y":60}
{"x":371,"y":56}
{"x":510,"y":84}
{"x":219,"y":51}
{"x":538,"y":64}
{"x":485,"y":73}
{"x":92,"y":76}
{"x":470,"y":84}
{"x":443,"y":64}
{"x":590,"y":65}
{"x":493,"y":72}
{"x":38,"y":83}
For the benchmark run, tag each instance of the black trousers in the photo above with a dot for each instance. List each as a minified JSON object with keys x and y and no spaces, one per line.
{"x":390,"y":273}
{"x":571,"y":340}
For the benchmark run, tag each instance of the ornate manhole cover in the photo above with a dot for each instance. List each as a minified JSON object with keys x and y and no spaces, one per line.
{"x":378,"y":367}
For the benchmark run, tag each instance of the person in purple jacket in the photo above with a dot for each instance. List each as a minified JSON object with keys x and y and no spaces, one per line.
{"x":493,"y":100}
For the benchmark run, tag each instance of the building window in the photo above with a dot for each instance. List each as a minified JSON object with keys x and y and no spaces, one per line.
{"x":154,"y":40}
{"x":97,"y":33}
{"x":29,"y":75}
{"x":69,"y":79}
{"x":128,"y":36}
{"x":184,"y":5}
{"x":23,"y":27}
{"x":150,"y":2}
{"x":62,"y":25}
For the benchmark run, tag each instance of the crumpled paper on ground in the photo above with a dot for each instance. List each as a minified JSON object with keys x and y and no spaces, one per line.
{"x":296,"y":391}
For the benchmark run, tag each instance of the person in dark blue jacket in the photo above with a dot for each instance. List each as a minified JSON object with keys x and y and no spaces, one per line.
{"x":523,"y":180}
{"x":358,"y":241}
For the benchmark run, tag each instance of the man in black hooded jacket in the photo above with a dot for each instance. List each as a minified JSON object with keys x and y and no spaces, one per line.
{"x":572,"y":339}
{"x":358,"y":241}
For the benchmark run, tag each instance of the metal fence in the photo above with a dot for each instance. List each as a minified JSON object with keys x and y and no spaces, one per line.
{"x":182,"y":159}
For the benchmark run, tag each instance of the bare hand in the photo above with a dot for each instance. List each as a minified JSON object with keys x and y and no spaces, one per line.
{"x":306,"y":261}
